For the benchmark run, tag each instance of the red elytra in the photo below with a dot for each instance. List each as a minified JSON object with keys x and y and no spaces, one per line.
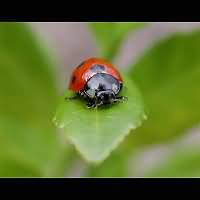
{"x":83,"y":73}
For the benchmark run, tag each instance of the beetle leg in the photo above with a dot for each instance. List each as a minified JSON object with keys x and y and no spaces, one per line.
{"x":91,"y":105}
{"x":123,"y":98}
{"x":82,"y":94}
{"x":120,"y":98}
{"x":99,"y":104}
{"x":72,"y":97}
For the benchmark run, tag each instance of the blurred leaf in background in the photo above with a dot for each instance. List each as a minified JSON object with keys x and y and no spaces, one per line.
{"x":168,"y":75}
{"x":184,"y":163}
{"x":110,"y":36}
{"x":29,"y":144}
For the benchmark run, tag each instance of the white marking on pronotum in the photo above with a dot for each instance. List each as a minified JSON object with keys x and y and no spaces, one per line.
{"x":114,"y":87}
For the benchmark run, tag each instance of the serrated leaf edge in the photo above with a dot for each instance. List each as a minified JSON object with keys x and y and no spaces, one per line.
{"x":113,"y":146}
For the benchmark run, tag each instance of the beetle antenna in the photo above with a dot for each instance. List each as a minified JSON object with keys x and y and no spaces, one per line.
{"x":72,"y":97}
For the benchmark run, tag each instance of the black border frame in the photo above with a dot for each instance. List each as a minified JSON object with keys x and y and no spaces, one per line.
{"x":78,"y":186}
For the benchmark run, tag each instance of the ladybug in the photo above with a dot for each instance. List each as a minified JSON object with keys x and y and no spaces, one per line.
{"x":97,"y":82}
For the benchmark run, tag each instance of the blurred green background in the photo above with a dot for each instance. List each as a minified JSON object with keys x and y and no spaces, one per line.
{"x":36,"y":60}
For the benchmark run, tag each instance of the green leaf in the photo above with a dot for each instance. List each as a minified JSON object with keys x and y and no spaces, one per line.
{"x":182,"y":162}
{"x":169,"y":78}
{"x":29,"y":145}
{"x":96,"y":132}
{"x":109,"y":36}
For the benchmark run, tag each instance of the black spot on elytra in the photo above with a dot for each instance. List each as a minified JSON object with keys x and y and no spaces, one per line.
{"x":80,"y":64}
{"x":97,"y":68}
{"x":73,"y":79}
